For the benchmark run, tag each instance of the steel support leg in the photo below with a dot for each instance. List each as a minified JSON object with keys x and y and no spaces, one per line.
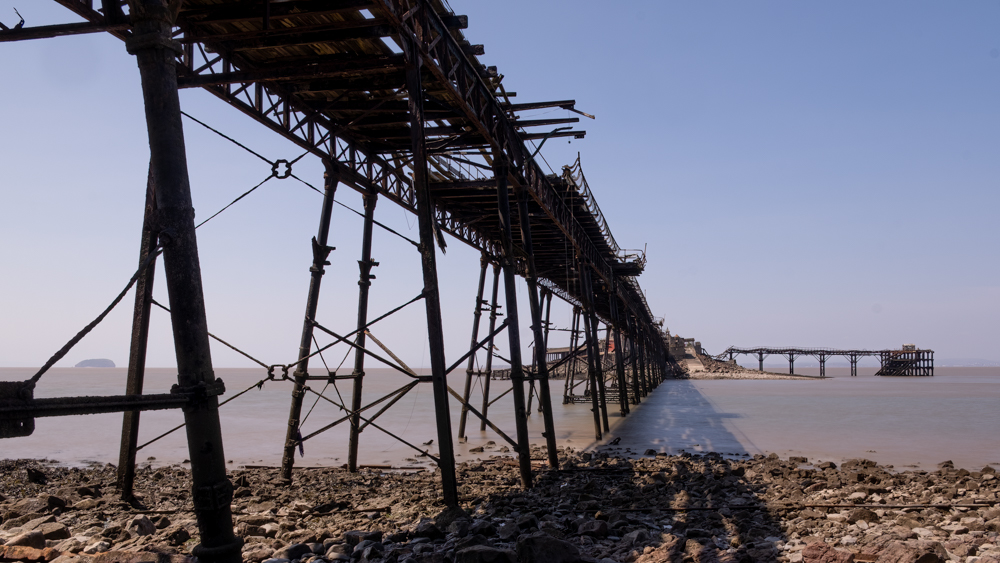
{"x":365,"y":266}
{"x":822,"y":365}
{"x":791,"y":363}
{"x":760,"y":358}
{"x":137,"y":349}
{"x":644,"y":364}
{"x":211,"y":490}
{"x":571,"y":365}
{"x":432,"y":297}
{"x":513,"y":331}
{"x":542,"y":367}
{"x":320,"y":252}
{"x":597,"y":374}
{"x":619,"y":359}
{"x":636,"y":374}
{"x":477,"y":314}
{"x":489,"y":347}
{"x":595,"y":405}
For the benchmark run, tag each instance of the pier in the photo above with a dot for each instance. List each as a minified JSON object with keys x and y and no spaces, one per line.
{"x":390,"y":96}
{"x":906,"y":361}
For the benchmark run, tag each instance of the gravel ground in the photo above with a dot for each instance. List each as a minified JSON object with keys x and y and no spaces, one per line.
{"x":602,"y":506}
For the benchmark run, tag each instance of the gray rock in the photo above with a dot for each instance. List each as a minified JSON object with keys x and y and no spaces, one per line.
{"x":508,"y":531}
{"x":485,"y":554}
{"x":339,"y":552}
{"x":142,"y":526}
{"x":97,"y":547}
{"x":354,"y":537}
{"x":449,"y":515}
{"x":593,"y":528}
{"x":294,"y":551}
{"x":54,"y":531}
{"x":470,"y":541}
{"x":428,"y":530}
{"x":636,"y":536}
{"x":862,"y":514}
{"x":527,"y":521}
{"x":483,"y":527}
{"x":364,"y":545}
{"x":460,"y":528}
{"x":33,"y":539}
{"x":543,"y":548}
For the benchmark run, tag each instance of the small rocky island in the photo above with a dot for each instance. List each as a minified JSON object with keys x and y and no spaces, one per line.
{"x":96,"y":363}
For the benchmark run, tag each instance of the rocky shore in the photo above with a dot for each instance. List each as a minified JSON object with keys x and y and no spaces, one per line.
{"x":714,"y":369}
{"x":610,"y":505}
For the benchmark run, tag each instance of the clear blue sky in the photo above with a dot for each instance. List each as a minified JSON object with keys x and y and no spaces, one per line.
{"x":812,"y":174}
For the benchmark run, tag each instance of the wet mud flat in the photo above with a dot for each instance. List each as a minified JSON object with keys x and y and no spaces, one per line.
{"x":598,"y":507}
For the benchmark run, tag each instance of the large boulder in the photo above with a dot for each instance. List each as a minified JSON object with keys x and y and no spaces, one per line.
{"x":33,"y":539}
{"x":543,"y":548}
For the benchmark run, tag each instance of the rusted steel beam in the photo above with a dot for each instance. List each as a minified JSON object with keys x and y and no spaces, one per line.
{"x":593,"y":355}
{"x":364,"y":283}
{"x":540,"y":122}
{"x":477,"y":315}
{"x":531,"y":278}
{"x":351,"y":67}
{"x":244,"y":11}
{"x":140,"y":337}
{"x":68,"y":406}
{"x":212,"y":492}
{"x":619,"y":359}
{"x":320,"y":252}
{"x":541,"y":105}
{"x":634,"y":352}
{"x":432,"y":297}
{"x":513,"y":328}
{"x":59,"y":30}
{"x":488,"y":371}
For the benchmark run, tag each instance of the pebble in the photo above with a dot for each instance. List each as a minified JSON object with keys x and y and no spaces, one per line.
{"x":601,"y":508}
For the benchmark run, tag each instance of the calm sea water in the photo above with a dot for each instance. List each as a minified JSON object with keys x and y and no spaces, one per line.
{"x":900,"y":421}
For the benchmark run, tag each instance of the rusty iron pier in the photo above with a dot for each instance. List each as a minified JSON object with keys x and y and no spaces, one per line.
{"x":390,"y":95}
{"x":906,"y":361}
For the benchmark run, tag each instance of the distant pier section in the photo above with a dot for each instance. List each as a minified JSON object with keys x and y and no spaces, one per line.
{"x":907,"y":361}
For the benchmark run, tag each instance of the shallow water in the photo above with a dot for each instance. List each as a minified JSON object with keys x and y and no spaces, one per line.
{"x":899,"y":421}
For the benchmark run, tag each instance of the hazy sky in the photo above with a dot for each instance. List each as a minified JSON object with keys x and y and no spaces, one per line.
{"x":809,"y":174}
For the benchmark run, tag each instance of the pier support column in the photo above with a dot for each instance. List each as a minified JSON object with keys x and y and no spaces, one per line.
{"x":822,"y":365}
{"x":364,"y":283}
{"x":791,"y":364}
{"x":477,"y":314}
{"x":211,"y":491}
{"x":634,"y":353}
{"x":432,"y":297}
{"x":570,"y":383}
{"x":500,"y":170}
{"x":596,"y":373}
{"x":760,"y":358}
{"x":619,"y":357}
{"x":542,"y":367}
{"x":320,"y":253}
{"x":642,"y":362}
{"x":137,"y":349}
{"x":488,"y":375}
